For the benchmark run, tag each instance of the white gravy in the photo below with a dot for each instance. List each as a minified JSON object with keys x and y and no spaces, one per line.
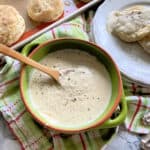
{"x":84,"y":91}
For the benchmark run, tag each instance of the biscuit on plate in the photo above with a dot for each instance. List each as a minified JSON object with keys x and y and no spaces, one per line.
{"x":131,"y":24}
{"x":45,"y":10}
{"x":145,"y":43}
{"x":12,"y":25}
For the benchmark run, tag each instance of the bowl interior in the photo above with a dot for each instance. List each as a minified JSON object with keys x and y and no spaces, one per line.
{"x":101,"y":55}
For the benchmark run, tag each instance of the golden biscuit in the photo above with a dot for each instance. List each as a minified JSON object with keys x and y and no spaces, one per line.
{"x":131,"y":24}
{"x":12,"y":25}
{"x":45,"y":10}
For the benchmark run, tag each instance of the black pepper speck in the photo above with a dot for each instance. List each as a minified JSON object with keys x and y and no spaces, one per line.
{"x":74,"y":99}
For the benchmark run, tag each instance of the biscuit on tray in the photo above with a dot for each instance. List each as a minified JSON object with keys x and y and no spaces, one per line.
{"x":12,"y":25}
{"x":131,"y":24}
{"x":45,"y":10}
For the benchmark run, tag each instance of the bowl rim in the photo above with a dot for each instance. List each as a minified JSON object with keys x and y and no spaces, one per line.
{"x":94,"y":125}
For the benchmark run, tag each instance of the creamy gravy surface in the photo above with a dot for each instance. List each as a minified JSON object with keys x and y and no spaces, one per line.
{"x":84,"y":91}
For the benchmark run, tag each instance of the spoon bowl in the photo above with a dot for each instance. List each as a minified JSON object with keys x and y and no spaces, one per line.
{"x":16,"y":55}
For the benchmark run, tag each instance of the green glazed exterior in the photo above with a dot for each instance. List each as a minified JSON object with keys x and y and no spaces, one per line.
{"x":103,"y":120}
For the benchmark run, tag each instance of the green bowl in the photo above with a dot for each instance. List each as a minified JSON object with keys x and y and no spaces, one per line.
{"x":103,"y":121}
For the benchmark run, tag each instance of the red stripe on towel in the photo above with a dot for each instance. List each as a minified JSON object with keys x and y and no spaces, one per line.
{"x":18,"y":117}
{"x":34,"y":142}
{"x":133,"y":88}
{"x":146,"y":107}
{"x":16,"y":136}
{"x":53,"y":33}
{"x":82,"y":141}
{"x":135,"y":113}
{"x":9,"y":82}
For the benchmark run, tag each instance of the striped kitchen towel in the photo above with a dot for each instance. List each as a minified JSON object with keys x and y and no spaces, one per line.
{"x":138,"y":102}
{"x":28,"y":132}
{"x":137,"y":107}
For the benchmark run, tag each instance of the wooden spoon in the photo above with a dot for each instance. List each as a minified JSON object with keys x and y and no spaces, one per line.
{"x":16,"y":55}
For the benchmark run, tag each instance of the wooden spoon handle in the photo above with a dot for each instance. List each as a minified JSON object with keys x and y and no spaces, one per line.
{"x":16,"y":55}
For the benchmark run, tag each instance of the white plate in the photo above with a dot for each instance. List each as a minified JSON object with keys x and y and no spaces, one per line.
{"x":133,"y":62}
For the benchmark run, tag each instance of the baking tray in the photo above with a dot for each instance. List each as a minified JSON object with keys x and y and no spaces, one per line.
{"x":72,"y":8}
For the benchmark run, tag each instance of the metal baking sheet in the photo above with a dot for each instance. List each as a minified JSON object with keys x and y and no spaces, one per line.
{"x":72,"y":8}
